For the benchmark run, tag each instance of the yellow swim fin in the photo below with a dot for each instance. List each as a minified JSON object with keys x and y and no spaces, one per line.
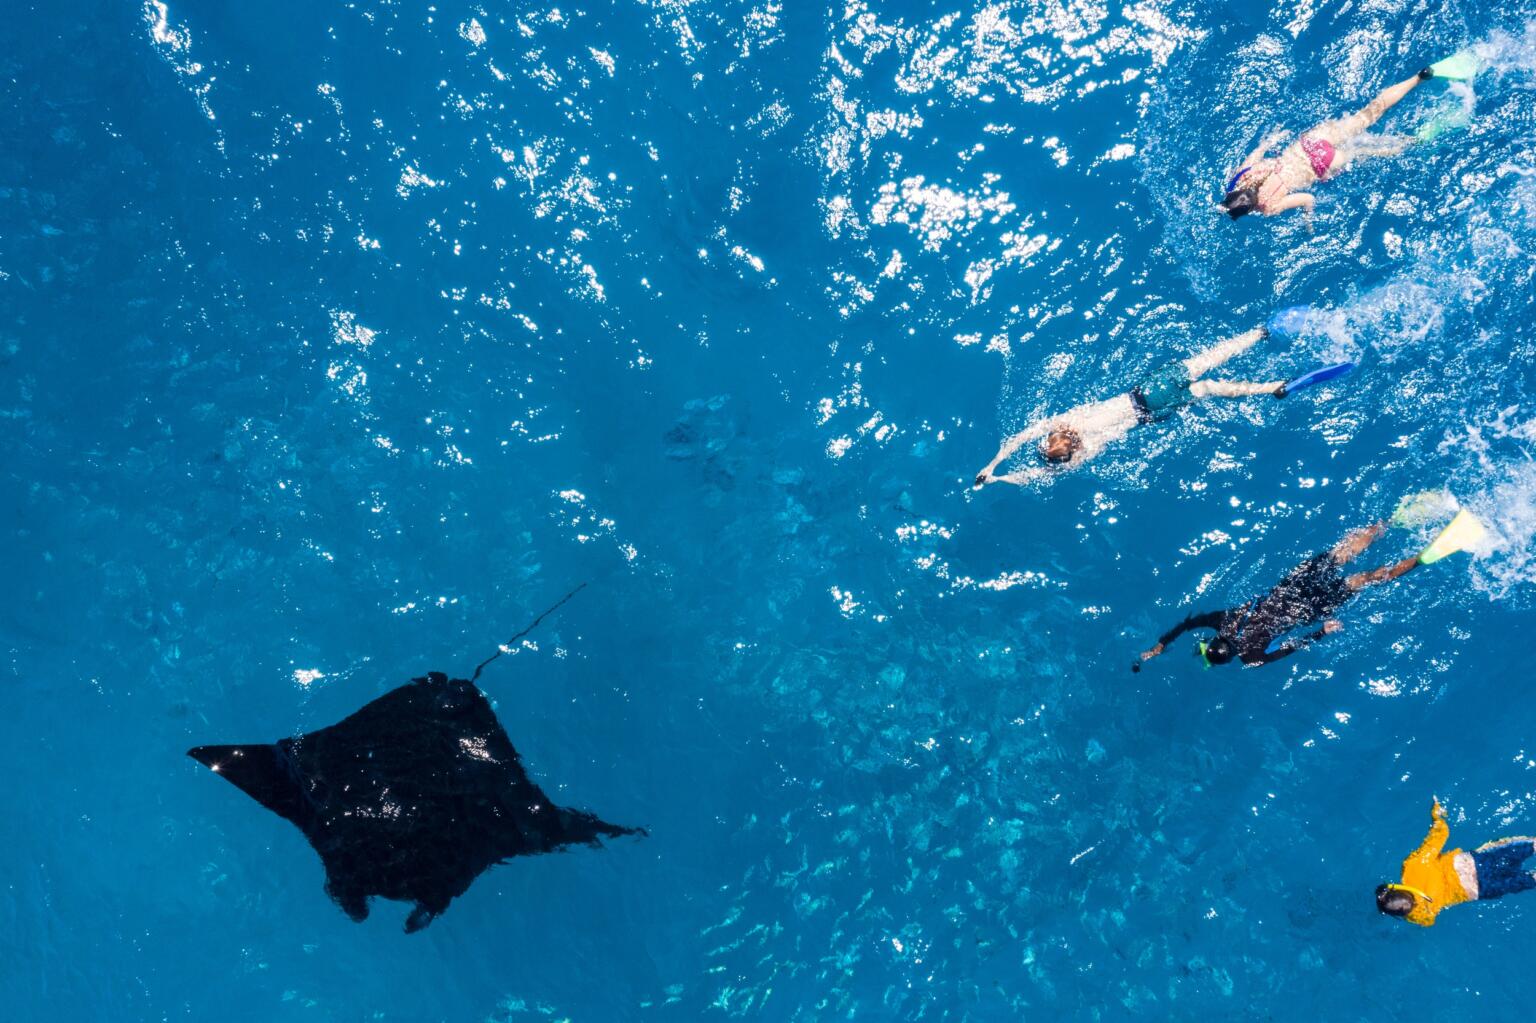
{"x":1463,"y":533}
{"x":1419,"y":509}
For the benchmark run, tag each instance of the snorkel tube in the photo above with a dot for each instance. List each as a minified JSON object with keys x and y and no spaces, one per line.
{"x":1410,"y":889}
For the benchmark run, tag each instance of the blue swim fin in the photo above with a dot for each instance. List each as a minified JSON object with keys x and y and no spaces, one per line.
{"x":1290,"y":322}
{"x":1317,"y":376}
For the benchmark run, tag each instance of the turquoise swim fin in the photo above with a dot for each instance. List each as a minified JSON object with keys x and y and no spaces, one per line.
{"x":1462,"y":66}
{"x":1450,"y":117}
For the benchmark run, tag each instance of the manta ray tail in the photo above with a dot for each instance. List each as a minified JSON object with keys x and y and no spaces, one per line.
{"x":260,"y":770}
{"x":531,"y":626}
{"x":580,"y":826}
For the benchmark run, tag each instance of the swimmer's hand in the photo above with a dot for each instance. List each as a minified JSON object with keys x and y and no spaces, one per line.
{"x":1437,"y":811}
{"x":982,"y":479}
{"x":1331,"y":626}
{"x":1147,"y":655}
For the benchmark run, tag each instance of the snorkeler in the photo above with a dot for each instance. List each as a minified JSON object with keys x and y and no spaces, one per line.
{"x":1316,"y":588}
{"x":1433,"y":880}
{"x":1272,"y":185}
{"x":1074,"y":437}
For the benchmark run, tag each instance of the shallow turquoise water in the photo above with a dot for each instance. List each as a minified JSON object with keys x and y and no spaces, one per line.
{"x":339,"y":340}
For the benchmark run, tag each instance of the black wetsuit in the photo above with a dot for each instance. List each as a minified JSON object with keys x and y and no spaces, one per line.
{"x":1311,"y":592}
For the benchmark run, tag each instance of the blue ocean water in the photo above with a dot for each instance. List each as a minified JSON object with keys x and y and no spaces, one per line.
{"x":339,"y":339}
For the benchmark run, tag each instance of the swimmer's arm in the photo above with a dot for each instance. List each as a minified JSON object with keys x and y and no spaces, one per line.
{"x":1034,"y":432}
{"x":1294,"y":201}
{"x":1439,"y":832}
{"x":1019,"y":477}
{"x":1290,"y":646}
{"x":1012,"y":444}
{"x":1209,"y":620}
{"x":1284,"y":650}
{"x":1264,"y":146}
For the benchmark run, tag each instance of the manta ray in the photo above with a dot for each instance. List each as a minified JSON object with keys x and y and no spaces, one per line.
{"x":409,"y":798}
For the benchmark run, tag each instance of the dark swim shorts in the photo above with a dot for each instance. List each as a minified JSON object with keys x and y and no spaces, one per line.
{"x":1501,"y":867}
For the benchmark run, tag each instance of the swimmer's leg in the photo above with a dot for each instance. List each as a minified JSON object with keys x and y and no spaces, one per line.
{"x":1353,"y":545}
{"x":1379,"y":145}
{"x":1232,"y":388}
{"x":1386,"y":573}
{"x":1528,"y":844}
{"x":1340,"y":130}
{"x":1367,"y":146}
{"x":1202,"y":363}
{"x":1499,"y":868}
{"x":1355,"y":542}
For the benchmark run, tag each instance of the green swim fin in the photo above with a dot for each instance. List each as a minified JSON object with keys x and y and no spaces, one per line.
{"x":1416,"y":510}
{"x":1465,"y":532}
{"x":1462,"y":66}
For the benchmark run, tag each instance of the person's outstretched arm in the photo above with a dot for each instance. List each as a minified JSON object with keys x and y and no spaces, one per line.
{"x":1264,"y":146}
{"x":1209,"y":620}
{"x":1290,"y":646}
{"x":1439,"y":833}
{"x":1021,"y":477}
{"x":1012,"y":444}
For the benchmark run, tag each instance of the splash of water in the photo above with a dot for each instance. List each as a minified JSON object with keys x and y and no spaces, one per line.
{"x":1505,"y":567}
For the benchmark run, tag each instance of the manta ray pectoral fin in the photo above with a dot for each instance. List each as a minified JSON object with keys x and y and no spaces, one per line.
{"x":352,"y":903}
{"x":260,"y":770}
{"x":421,"y":916}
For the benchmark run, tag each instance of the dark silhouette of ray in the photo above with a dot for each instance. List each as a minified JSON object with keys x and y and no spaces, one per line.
{"x":409,"y":798}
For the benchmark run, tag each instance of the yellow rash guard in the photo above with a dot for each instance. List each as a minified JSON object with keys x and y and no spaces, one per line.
{"x":1433,"y":874}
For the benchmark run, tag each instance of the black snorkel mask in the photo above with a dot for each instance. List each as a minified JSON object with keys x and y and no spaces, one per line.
{"x":1241,"y":203}
{"x":1219,"y":650}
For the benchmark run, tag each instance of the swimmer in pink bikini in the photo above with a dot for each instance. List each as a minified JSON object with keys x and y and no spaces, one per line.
{"x":1272,"y":185}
